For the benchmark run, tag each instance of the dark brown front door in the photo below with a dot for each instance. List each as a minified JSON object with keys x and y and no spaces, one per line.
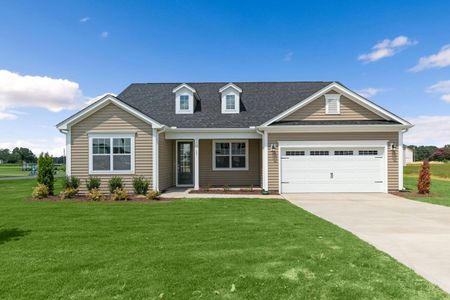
{"x":184,"y":167}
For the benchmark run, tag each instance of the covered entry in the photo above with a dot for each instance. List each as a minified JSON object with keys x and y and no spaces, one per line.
{"x":333,"y":166}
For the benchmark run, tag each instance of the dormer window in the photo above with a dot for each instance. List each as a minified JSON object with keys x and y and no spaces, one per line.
{"x":184,"y":102}
{"x":230,"y":102}
{"x":332,"y":104}
{"x":230,"y":98}
{"x":184,"y":99}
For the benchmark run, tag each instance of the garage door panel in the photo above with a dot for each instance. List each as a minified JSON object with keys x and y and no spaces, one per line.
{"x":333,"y":173}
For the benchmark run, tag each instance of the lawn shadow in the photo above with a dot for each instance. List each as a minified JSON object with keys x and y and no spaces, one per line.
{"x":11,"y":234}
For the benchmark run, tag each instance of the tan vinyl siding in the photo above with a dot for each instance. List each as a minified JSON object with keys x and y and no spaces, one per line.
{"x":344,"y":136}
{"x":166,"y":162}
{"x":350,"y":110}
{"x":111,"y":119}
{"x":232,"y":178}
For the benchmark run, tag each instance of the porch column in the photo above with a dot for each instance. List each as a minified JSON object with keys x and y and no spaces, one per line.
{"x":265,"y":161}
{"x":196,"y":165}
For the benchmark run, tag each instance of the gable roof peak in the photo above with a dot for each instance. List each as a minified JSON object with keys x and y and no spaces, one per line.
{"x":230,"y":85}
{"x":183,"y":85}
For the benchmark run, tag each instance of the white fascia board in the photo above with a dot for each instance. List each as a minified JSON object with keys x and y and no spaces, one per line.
{"x":230,"y":85}
{"x":184,"y":85}
{"x":89,"y":110}
{"x":335,"y":128}
{"x":352,"y":95}
{"x":212,"y":133}
{"x":312,"y":144}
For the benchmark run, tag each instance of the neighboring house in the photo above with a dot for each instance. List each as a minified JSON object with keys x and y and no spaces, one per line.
{"x":408,"y":155}
{"x":283,"y":136}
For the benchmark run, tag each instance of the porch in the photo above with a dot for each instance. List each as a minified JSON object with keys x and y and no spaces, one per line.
{"x":197,"y":162}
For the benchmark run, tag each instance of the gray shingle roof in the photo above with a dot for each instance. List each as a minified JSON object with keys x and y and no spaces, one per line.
{"x":260,"y":101}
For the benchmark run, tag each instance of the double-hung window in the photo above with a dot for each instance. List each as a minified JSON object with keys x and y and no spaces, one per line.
{"x":230,"y":102}
{"x":111,"y":154}
{"x":230,"y":155}
{"x":184,"y":102}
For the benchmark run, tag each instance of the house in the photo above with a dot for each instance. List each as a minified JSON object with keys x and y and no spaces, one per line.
{"x":282,"y":136}
{"x":408,"y":155}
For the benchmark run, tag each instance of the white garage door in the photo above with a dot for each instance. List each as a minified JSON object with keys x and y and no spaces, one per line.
{"x":333,"y":169}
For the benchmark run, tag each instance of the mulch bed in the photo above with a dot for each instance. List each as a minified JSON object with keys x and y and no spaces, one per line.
{"x":82,"y":198}
{"x":412,"y":194}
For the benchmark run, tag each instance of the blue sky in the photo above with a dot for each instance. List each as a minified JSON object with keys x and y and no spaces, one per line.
{"x":391,"y":51}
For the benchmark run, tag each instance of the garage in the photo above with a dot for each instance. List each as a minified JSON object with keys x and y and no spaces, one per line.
{"x":340,"y":167}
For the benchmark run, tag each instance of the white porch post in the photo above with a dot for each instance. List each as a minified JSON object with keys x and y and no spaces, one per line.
{"x":196,"y":165}
{"x":400,"y":160}
{"x":265,"y":162}
{"x":155,"y":160}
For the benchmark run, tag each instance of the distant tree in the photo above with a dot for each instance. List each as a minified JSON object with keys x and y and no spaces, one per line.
{"x":4,"y":154}
{"x":46,"y":171}
{"x":58,"y":159}
{"x":424,"y":181}
{"x":423,"y":152}
{"x":24,"y":154}
{"x":441,"y":154}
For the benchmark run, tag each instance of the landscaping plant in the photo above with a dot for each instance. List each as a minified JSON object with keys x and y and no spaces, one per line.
{"x":119,"y":194}
{"x":114,"y":183}
{"x":40,"y":191}
{"x":95,"y":194}
{"x":140,"y":185}
{"x":93,"y":183}
{"x":71,"y":182}
{"x":424,"y":182}
{"x":68,"y":193}
{"x":152,"y":195}
{"x":45,"y":174}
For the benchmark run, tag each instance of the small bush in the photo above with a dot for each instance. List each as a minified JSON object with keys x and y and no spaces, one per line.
{"x":69,"y":193}
{"x":71,"y":182}
{"x":95,"y":195}
{"x":119,"y":194}
{"x":40,"y":191}
{"x":115,"y":183}
{"x":226,"y":188}
{"x":93,"y":183}
{"x":46,"y":170}
{"x":140,"y":185}
{"x":424,"y":182}
{"x":152,"y":195}
{"x":207,"y":187}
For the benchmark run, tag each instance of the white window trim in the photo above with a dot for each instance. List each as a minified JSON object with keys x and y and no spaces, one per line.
{"x":190,"y":109}
{"x":236,"y":103}
{"x":329,"y":97}
{"x":111,"y":136}
{"x":230,"y":168}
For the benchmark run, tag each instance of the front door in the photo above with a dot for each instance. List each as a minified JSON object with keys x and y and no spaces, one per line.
{"x":184,"y":167}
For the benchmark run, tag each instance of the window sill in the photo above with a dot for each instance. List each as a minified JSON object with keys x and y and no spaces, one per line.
{"x":111,"y":173}
{"x":230,"y":169}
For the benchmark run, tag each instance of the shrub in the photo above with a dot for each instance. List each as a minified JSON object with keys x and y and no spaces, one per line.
{"x":40,"y":191}
{"x":119,"y":194}
{"x":93,"y":183}
{"x":152,"y":195}
{"x":441,"y":154}
{"x":71,"y":182}
{"x":45,"y":174}
{"x":424,"y":182}
{"x":140,"y":185}
{"x":226,"y":188}
{"x":69,"y":192}
{"x":115,"y":183}
{"x":95,"y":195}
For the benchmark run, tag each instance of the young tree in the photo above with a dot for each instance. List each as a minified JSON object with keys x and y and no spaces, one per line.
{"x":46,"y":172}
{"x":424,"y":182}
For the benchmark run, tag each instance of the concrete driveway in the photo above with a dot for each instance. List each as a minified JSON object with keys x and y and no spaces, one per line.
{"x":416,"y":234}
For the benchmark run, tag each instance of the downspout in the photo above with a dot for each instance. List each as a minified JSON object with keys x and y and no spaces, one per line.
{"x":401,"y":158}
{"x":68,"y":135}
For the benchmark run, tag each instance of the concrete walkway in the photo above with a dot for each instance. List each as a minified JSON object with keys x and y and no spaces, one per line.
{"x":18,"y":177}
{"x":416,"y":234}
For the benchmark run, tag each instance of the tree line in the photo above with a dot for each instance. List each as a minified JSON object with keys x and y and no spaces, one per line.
{"x":22,"y":154}
{"x":431,"y":153}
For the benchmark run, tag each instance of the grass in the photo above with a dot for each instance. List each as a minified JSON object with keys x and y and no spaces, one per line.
{"x":437,"y":170}
{"x":190,"y":249}
{"x":440,"y":190}
{"x":12,"y":170}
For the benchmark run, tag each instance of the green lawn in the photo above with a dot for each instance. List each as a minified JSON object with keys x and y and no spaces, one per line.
{"x":437,"y":170}
{"x":12,"y":170}
{"x":440,"y":190}
{"x":190,"y":249}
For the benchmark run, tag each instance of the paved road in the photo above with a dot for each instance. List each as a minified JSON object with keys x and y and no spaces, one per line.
{"x":17,"y":178}
{"x":416,"y":234}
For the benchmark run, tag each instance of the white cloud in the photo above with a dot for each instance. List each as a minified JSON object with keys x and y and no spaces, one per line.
{"x":288,"y":56}
{"x":54,"y":146}
{"x":443,"y":88}
{"x":369,"y":92}
{"x":36,"y":91}
{"x":84,"y":20}
{"x":387,"y":48}
{"x":438,"y":60}
{"x":429,"y":130}
{"x":104,"y":34}
{"x":7,"y":116}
